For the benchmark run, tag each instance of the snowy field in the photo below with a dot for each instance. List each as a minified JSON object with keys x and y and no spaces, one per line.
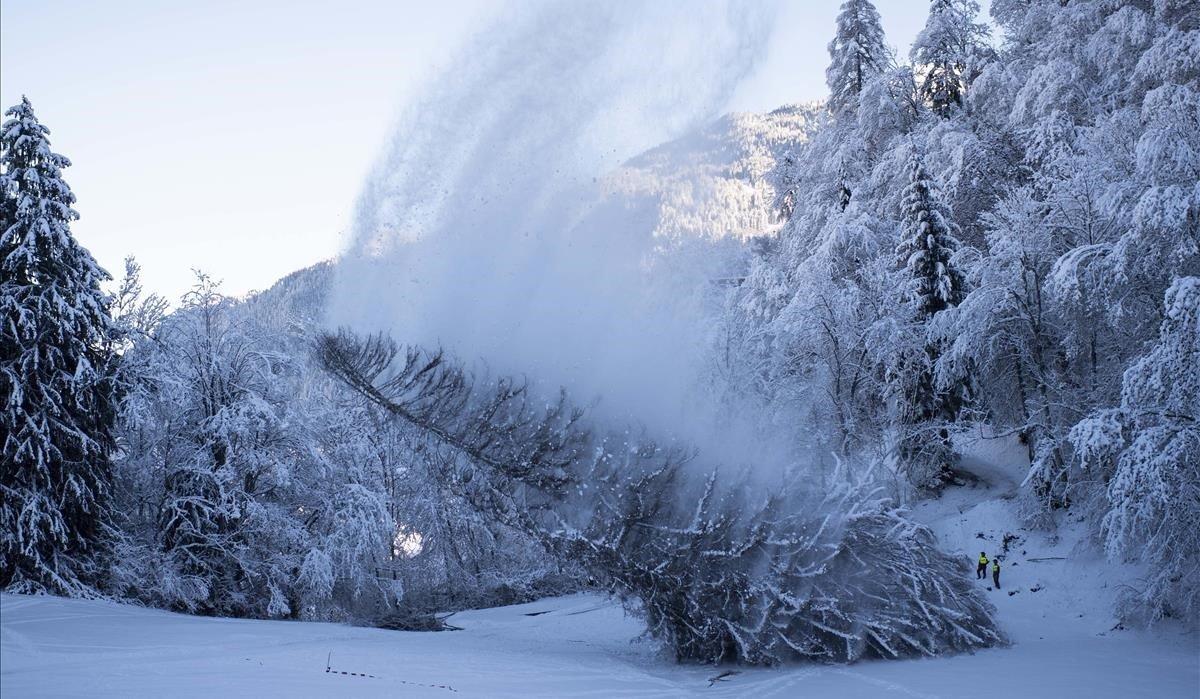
{"x":579,"y":646}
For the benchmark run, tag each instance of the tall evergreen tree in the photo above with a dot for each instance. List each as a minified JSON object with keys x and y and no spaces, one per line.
{"x":928,"y":241}
{"x":933,"y":284}
{"x":947,"y":49}
{"x":857,"y":53}
{"x":57,"y":375}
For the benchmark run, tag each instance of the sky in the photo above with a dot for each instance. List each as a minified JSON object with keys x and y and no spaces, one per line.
{"x":233,"y":137}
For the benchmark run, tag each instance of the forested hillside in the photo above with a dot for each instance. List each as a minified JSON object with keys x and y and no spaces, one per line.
{"x":1005,"y":235}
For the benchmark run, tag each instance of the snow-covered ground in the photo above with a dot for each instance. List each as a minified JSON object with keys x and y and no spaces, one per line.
{"x":580,"y":646}
{"x":1058,"y":615}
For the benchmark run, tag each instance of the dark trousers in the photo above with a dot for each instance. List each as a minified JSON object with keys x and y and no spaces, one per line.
{"x":996,"y":578}
{"x":981,"y":571}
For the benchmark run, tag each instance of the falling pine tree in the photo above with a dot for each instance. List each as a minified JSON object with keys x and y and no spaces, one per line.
{"x":946,"y":49}
{"x":57,"y":375}
{"x":857,"y":53}
{"x":933,"y":284}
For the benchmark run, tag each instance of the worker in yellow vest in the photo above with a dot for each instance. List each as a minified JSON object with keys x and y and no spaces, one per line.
{"x":981,"y":570}
{"x":996,"y":573}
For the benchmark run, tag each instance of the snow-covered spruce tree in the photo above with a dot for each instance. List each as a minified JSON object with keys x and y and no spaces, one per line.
{"x":857,"y":53}
{"x":927,"y":245}
{"x":949,"y":51}
{"x":719,"y":572}
{"x":1148,"y":450}
{"x":933,"y":284}
{"x":58,"y":386}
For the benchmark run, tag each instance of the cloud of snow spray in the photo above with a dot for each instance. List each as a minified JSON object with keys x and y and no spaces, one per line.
{"x":483,"y":230}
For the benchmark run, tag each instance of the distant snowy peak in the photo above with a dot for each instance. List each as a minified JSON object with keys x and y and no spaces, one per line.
{"x":722,"y":180}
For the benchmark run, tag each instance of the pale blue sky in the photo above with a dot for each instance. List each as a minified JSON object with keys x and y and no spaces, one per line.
{"x":234,"y":136}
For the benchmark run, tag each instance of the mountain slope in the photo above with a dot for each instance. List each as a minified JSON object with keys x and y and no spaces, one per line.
{"x":723,"y":179}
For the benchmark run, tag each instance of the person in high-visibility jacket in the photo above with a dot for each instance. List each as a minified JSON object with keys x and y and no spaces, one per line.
{"x":981,"y":570}
{"x":996,"y":573}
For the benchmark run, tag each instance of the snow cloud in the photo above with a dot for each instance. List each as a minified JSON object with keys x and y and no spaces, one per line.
{"x":482,"y":228}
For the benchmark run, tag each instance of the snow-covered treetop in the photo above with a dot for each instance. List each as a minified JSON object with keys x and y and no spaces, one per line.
{"x":30,"y":165}
{"x":948,"y":50}
{"x":857,"y":53}
{"x":37,"y":205}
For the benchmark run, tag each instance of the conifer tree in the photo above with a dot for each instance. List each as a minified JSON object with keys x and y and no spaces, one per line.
{"x":928,"y":241}
{"x":857,"y":53}
{"x":946,"y":49}
{"x":57,"y":375}
{"x":933,"y":283}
